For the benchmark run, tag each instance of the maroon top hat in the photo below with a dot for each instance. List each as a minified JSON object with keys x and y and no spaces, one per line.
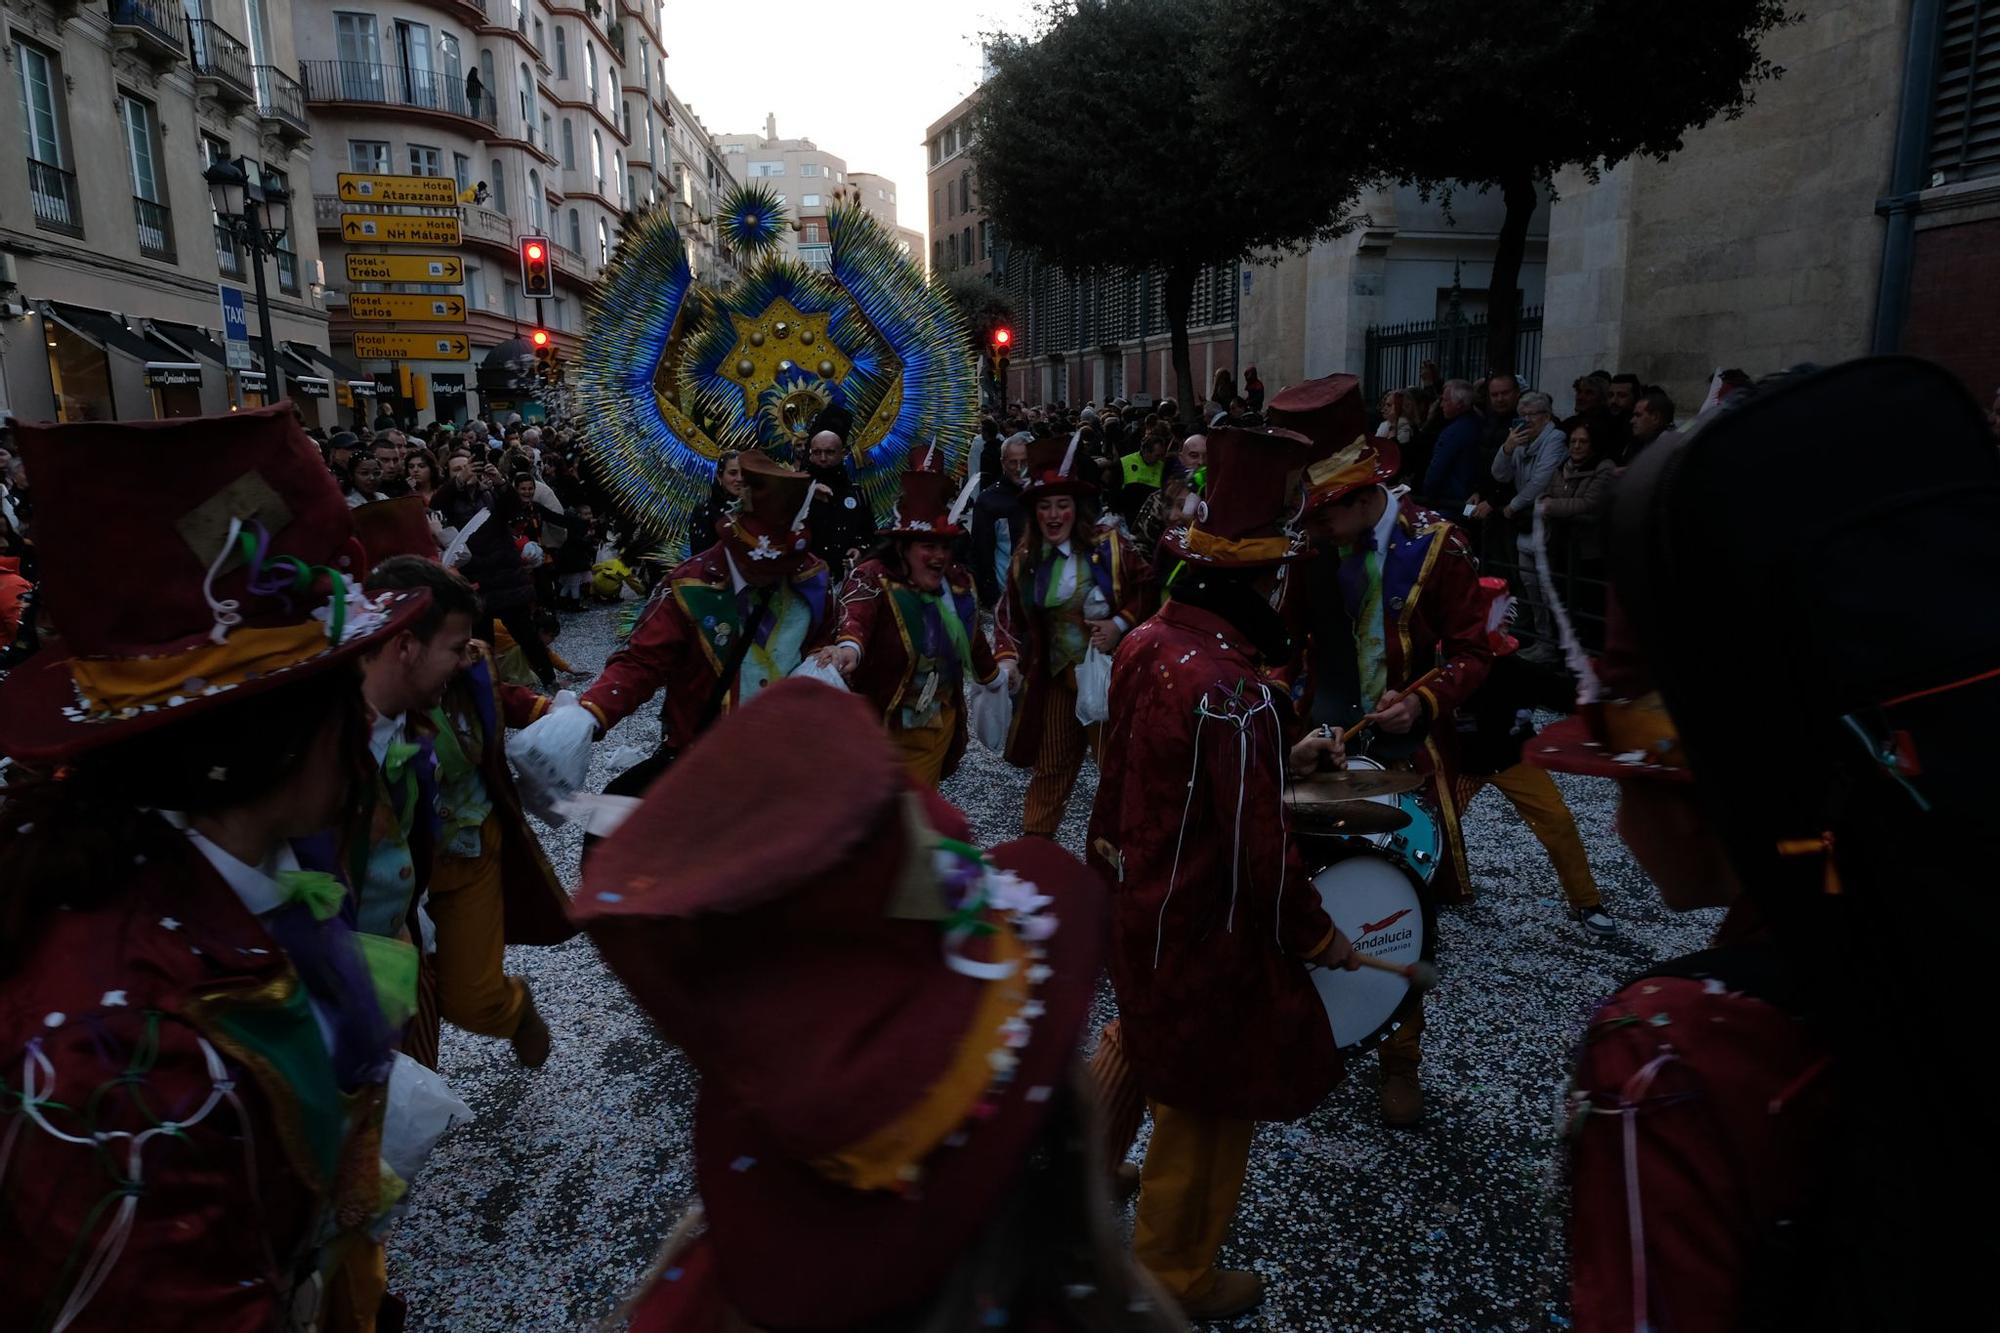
{"x":1252,"y":492}
{"x":186,"y":563}
{"x":880,"y":1013}
{"x":925,"y":509}
{"x":1051,"y":468}
{"x":401,"y":526}
{"x":1328,"y":411}
{"x":767,"y":533}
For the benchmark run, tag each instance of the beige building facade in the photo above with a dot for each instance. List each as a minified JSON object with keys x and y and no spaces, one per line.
{"x":702,"y":177}
{"x":960,"y":235}
{"x":803,"y":175}
{"x":110,"y":258}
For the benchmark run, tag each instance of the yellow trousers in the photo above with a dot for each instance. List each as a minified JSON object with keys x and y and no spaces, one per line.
{"x":474,"y":991}
{"x":1187,"y":1196}
{"x":1536,"y":798}
{"x":1058,"y":759}
{"x":923,"y":750}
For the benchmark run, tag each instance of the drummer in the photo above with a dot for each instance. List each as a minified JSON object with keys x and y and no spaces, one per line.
{"x":1392,"y":597}
{"x":1215,"y":924}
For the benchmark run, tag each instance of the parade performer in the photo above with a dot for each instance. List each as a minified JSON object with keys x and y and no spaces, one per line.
{"x":1394,"y":594}
{"x":489,"y":884}
{"x":1215,"y":921}
{"x":1730,"y":1108}
{"x":890,"y":1133}
{"x":195,"y":1046}
{"x":736,"y":617}
{"x":1072,"y":586}
{"x":909,"y":635}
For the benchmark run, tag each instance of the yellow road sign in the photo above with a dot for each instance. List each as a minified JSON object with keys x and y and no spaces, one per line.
{"x":398,"y":229}
{"x":412,"y":346}
{"x":394,"y":305}
{"x":364,"y":188}
{"x":404,"y":268}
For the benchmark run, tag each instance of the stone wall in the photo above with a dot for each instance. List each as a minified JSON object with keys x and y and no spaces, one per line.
{"x":1757,"y":245}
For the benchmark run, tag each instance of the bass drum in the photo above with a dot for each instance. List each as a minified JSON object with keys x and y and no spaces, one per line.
{"x":1379,"y":904}
{"x":1418,"y":843}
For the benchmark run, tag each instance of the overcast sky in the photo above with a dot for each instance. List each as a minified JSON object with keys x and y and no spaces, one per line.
{"x":864,"y":83}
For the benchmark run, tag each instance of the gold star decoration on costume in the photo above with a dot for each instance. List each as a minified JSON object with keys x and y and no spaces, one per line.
{"x":777,"y":340}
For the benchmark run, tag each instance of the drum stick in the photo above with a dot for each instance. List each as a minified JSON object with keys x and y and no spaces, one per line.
{"x":1414,"y":686}
{"x":1421,"y":975}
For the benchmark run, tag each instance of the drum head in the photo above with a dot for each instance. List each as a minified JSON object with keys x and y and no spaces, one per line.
{"x":1375,"y":900}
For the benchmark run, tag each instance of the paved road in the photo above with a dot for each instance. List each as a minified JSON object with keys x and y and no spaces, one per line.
{"x":540,"y":1212}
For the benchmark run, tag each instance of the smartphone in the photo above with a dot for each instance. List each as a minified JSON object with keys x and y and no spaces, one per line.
{"x":1518,"y":423}
{"x":1470,"y":505}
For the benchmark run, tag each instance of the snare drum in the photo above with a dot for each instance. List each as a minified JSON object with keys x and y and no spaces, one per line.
{"x":1418,"y":843}
{"x":1378,"y":903}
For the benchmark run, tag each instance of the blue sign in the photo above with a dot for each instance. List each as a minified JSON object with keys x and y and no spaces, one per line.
{"x":235,"y":317}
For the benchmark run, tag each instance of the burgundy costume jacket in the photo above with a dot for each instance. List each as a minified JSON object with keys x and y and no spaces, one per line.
{"x":1213,"y":914}
{"x":884,"y":616}
{"x":683,"y":639}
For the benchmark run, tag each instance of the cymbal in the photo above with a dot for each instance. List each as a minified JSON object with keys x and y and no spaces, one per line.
{"x":1357,"y":784}
{"x":1312,"y":818}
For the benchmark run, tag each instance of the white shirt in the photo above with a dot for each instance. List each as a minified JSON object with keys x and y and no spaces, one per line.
{"x":1387,"y":523}
{"x":385,"y":730}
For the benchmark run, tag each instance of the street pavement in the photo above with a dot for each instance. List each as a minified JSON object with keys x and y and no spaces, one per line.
{"x":543,"y":1210}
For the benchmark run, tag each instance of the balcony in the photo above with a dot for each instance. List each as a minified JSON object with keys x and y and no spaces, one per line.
{"x":57,"y":207}
{"x":156,"y":230}
{"x":222,"y":62}
{"x":568,"y":260}
{"x":484,"y":224}
{"x":281,"y":102}
{"x":150,"y":28}
{"x":428,"y":91}
{"x":228,"y":253}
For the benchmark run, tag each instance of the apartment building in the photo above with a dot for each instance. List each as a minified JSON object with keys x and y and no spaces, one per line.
{"x":961,"y":237}
{"x":110,"y":252}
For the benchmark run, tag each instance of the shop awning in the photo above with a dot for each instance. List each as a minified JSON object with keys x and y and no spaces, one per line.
{"x":193,"y":341}
{"x":109,"y":332}
{"x":325,"y":363}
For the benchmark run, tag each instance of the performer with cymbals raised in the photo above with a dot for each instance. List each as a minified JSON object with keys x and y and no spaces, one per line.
{"x":1071,"y":587}
{"x":909,"y":635}
{"x":1396,"y":638}
{"x":1215,"y":922}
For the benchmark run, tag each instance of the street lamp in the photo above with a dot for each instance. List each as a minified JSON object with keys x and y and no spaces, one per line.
{"x":256,"y":214}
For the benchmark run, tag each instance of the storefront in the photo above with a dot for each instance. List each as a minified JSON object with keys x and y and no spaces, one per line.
{"x":176,"y":388}
{"x":102,"y":368}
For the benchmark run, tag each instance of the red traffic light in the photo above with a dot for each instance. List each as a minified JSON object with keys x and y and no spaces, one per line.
{"x":540,"y":338}
{"x":1001,"y":337}
{"x":536,"y":277}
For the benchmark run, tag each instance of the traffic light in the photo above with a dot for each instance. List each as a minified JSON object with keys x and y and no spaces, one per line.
{"x":1003,"y":342}
{"x":537,"y":278}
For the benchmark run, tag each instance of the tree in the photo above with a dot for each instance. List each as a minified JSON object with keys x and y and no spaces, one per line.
{"x":1506,"y":93}
{"x":1106,"y":142}
{"x":983,"y":304}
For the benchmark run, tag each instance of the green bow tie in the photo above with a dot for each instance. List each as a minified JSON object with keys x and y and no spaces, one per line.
{"x":319,"y":891}
{"x":398,"y":758}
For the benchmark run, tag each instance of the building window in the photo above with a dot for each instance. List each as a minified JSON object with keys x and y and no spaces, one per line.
{"x":548,"y":133}
{"x":541,"y":37}
{"x":286,"y":258}
{"x":368,"y":155}
{"x":811,"y":169}
{"x":603,"y":243}
{"x":461,"y":171}
{"x":618,"y":174}
{"x":937,"y":206}
{"x":149,"y":204}
{"x":52,"y":185}
{"x":625,"y":109}
{"x":809,"y":201}
{"x":590,"y":71}
{"x":1965,"y":105}
{"x":937,"y":151}
{"x":575,"y":232}
{"x":425,"y":160}
{"x":499,"y":183}
{"x":475,"y":287}
{"x":536,"y":203}
{"x":951,"y":199}
{"x":569,"y":140}
{"x":937,"y":255}
{"x":562,"y":53}
{"x":986,"y":240}
{"x":965,"y":190}
{"x":562,"y":313}
{"x":511,"y":292}
{"x":597,"y":160}
{"x":811,"y":234}
{"x":527,"y":102}
{"x":766,"y":170}
{"x":965,"y":244}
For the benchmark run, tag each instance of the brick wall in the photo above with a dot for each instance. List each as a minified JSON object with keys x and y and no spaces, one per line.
{"x":1953,"y":315}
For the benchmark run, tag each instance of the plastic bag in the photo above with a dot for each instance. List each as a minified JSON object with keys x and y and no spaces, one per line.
{"x":420,"y":1109}
{"x":1093,"y":688}
{"x":825,"y":675}
{"x":993,"y":713}
{"x":552,"y":753}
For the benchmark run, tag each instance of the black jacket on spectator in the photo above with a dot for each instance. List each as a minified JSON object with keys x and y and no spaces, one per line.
{"x":504,"y":583}
{"x":840,"y":522}
{"x":997,"y":507}
{"x":702,"y":523}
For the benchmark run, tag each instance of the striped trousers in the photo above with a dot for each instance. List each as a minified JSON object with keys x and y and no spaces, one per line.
{"x":1058,"y":757}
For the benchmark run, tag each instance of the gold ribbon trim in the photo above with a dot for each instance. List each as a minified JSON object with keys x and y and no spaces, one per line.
{"x":110,"y":685}
{"x":1230,"y":551}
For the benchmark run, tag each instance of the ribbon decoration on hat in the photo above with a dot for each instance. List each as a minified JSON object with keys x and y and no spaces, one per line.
{"x":280,"y":576}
